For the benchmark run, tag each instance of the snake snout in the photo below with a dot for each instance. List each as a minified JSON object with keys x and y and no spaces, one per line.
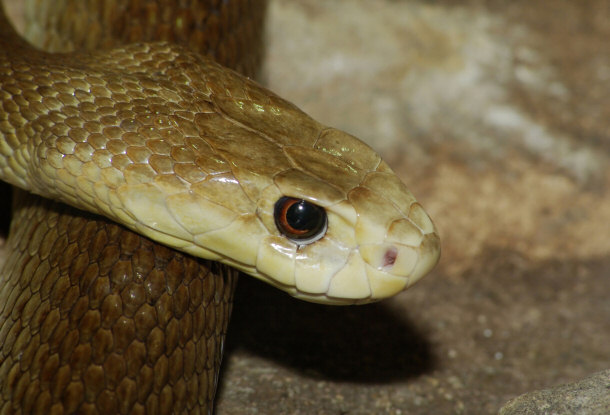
{"x":394,"y":265}
{"x":396,"y":238}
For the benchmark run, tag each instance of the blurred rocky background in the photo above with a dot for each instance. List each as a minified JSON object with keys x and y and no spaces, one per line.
{"x":497,"y":116}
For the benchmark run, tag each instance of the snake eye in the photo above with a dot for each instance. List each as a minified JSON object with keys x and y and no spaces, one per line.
{"x":299,"y":220}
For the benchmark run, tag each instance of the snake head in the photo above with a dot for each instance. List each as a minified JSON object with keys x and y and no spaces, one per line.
{"x":202,"y":159}
{"x":327,"y":222}
{"x":255,"y":150}
{"x":374,"y":240}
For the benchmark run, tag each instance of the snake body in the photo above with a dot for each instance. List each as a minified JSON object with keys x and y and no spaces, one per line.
{"x":172,"y":145}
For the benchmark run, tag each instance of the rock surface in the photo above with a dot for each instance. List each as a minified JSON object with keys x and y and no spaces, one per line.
{"x":590,"y":396}
{"x":496,"y":114}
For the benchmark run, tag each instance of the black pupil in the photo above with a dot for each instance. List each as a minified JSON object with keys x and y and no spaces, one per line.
{"x":304,"y":216}
{"x":299,"y":220}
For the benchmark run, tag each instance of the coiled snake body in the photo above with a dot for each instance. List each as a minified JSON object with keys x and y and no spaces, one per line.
{"x":171,"y":145}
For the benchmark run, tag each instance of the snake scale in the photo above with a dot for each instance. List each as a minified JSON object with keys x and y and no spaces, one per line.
{"x":168,"y":144}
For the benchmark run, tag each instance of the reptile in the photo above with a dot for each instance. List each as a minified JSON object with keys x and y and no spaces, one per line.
{"x":149,"y":175}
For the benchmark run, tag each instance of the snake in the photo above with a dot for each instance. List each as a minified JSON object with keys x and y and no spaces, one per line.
{"x":150,"y":169}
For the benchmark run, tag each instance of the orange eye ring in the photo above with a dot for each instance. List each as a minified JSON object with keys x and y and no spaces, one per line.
{"x":299,"y":220}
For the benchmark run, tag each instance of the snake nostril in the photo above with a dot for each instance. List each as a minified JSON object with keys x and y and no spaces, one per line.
{"x":389,"y":258}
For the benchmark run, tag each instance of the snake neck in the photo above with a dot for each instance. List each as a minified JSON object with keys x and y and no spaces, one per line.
{"x":97,"y":319}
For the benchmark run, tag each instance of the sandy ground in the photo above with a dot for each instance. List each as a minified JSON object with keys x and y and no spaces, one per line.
{"x":496,"y":115}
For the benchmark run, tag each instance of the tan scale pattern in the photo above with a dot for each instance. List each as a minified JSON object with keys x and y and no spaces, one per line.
{"x":95,"y":319}
{"x":191,"y":154}
{"x":227,"y":31}
{"x":106,"y":384}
